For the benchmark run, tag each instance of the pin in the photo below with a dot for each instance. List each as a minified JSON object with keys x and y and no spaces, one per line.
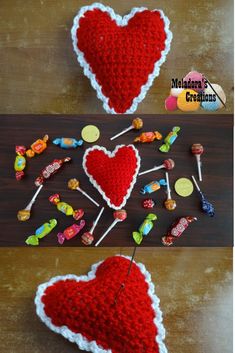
{"x":87,"y":237}
{"x":137,"y":124}
{"x":24,"y":215}
{"x":197,"y":151}
{"x":206,"y":206}
{"x":167,"y":164}
{"x":169,"y":204}
{"x":73,"y":184}
{"x":119,"y":216}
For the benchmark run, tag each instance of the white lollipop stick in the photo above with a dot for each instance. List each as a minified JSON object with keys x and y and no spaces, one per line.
{"x":151,"y":170}
{"x":30,"y":204}
{"x":108,"y":230}
{"x":168,"y":186}
{"x":96,"y":221}
{"x":196,"y":184}
{"x":199,"y":163}
{"x":89,"y":197}
{"x":122,"y":132}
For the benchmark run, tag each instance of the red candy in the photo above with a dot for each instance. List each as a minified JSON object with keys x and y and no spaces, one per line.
{"x":50,"y":169}
{"x":87,"y":238}
{"x":148,"y":203}
{"x":169,"y":164}
{"x":177,"y":229}
{"x":197,"y":148}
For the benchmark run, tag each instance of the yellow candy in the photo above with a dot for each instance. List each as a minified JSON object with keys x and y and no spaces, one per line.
{"x":90,"y":133}
{"x":184,"y":187}
{"x":20,"y":163}
{"x":190,"y":105}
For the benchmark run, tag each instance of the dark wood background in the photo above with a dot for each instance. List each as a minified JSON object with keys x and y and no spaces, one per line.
{"x":215,"y":133}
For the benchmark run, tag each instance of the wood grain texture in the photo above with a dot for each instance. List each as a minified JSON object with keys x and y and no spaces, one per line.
{"x":214,"y":133}
{"x":39,"y":72}
{"x":194,"y":286}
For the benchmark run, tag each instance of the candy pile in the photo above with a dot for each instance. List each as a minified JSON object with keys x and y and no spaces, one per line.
{"x":195,"y":91}
{"x":183,"y":186}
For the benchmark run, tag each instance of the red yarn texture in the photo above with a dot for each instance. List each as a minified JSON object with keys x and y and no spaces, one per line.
{"x":114,"y":174}
{"x":88,"y":308}
{"x":121,"y":57}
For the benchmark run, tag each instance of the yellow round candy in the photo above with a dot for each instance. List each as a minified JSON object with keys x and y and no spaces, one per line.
{"x":184,"y":187}
{"x":187,"y":106}
{"x":90,"y":133}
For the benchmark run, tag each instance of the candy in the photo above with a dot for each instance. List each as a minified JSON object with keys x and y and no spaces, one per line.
{"x":37,"y":147}
{"x":67,"y":142}
{"x":184,"y":187}
{"x":197,"y":150}
{"x":66,"y":208}
{"x":153,"y":186}
{"x":170,"y":139}
{"x":20,"y":162}
{"x":176,"y":230}
{"x":147,"y":137}
{"x":41,"y":232}
{"x":70,"y":232}
{"x":137,"y":124}
{"x":196,"y":80}
{"x":171,"y":103}
{"x":169,"y":204}
{"x":87,"y":237}
{"x":167,"y":164}
{"x":73,"y":184}
{"x":184,"y":102}
{"x":206,"y":206}
{"x":145,"y":228}
{"x":50,"y":170}
{"x":148,"y":203}
{"x":90,"y":133}
{"x":24,"y":215}
{"x":119,"y":216}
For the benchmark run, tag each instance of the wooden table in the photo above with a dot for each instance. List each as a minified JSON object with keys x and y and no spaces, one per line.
{"x":194,"y":287}
{"x":39,"y":72}
{"x":214,"y":133}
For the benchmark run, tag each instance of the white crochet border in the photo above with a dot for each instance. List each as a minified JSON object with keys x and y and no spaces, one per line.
{"x":112,"y":154}
{"x":121,"y":21}
{"x":79,"y":339}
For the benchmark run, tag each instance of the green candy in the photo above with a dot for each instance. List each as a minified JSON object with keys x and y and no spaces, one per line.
{"x":170,"y":139}
{"x":41,"y":232}
{"x":144,"y":228}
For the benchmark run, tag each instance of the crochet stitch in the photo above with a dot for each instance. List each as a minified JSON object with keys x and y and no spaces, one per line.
{"x":112,"y":174}
{"x":83,"y":310}
{"x":121,"y":55}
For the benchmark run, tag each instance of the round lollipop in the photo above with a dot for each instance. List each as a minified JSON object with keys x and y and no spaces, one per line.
{"x":169,"y":204}
{"x":87,"y":237}
{"x":207,"y":207}
{"x":119,"y":216}
{"x":24,"y":215}
{"x":197,"y":150}
{"x":167,"y":164}
{"x":73,"y":184}
{"x":137,"y":124}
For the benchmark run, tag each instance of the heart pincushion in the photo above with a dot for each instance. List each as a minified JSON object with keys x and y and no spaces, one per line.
{"x":113,"y":174}
{"x":87,"y":311}
{"x":121,"y":55}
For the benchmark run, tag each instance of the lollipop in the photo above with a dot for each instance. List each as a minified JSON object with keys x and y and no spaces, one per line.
{"x":197,"y":150}
{"x":169,"y":204}
{"x":119,"y":216}
{"x":87,"y":237}
{"x":65,"y":207}
{"x":137,"y":124}
{"x":167,"y":164}
{"x":24,"y":215}
{"x":206,"y":206}
{"x":73,"y":184}
{"x":50,"y":170}
{"x":176,"y":230}
{"x":70,"y":232}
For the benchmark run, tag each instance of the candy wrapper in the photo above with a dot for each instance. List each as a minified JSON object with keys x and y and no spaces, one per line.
{"x":67,"y":142}
{"x":20,"y":162}
{"x":50,"y":170}
{"x":37,"y":147}
{"x":41,"y":232}
{"x":70,"y":232}
{"x":145,"y":228}
{"x":176,"y":230}
{"x":170,"y":139}
{"x":153,"y":186}
{"x":147,"y":137}
{"x":65,"y":207}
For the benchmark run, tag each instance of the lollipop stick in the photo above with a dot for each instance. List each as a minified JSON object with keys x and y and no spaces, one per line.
{"x":168,"y":186}
{"x":122,"y":132}
{"x":89,"y":197}
{"x":107,"y":231}
{"x":198,"y":158}
{"x":151,"y":170}
{"x":196,"y":184}
{"x":97,"y":220}
{"x":28,"y":207}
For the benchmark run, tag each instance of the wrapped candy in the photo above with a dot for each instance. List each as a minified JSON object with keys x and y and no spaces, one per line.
{"x":67,"y":142}
{"x":206,"y":206}
{"x":147,"y":137}
{"x":148,"y":203}
{"x":65,"y":207}
{"x":176,"y":230}
{"x":168,"y":164}
{"x":170,"y":139}
{"x":153,"y":186}
{"x":41,"y":232}
{"x":70,"y":232}
{"x":37,"y":147}
{"x":20,"y":162}
{"x":87,"y":237}
{"x":74,"y":184}
{"x":24,"y":215}
{"x":145,"y":228}
{"x":50,"y":170}
{"x":137,"y":124}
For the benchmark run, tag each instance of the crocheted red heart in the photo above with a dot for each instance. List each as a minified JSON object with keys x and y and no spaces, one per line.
{"x":83,"y":309}
{"x":113,"y":174}
{"x":121,"y":55}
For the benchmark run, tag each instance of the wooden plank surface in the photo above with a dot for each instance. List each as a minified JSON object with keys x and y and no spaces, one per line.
{"x":39,"y":72}
{"x":214,"y":133}
{"x":194,"y":286}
